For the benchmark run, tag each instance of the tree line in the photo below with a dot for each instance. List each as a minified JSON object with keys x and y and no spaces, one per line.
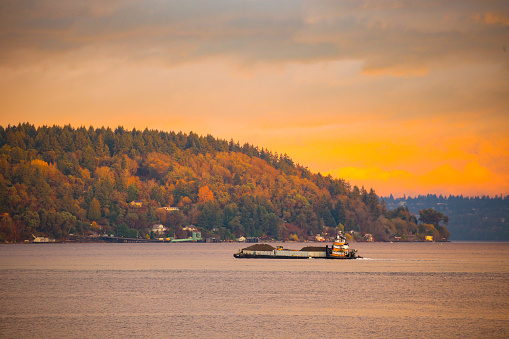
{"x":58,"y":181}
{"x":470,"y":218}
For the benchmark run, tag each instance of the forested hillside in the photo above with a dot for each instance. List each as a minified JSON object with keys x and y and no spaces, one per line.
{"x":470,"y":218}
{"x":58,"y":181}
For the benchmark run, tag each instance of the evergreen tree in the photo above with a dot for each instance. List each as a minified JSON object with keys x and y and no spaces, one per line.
{"x":94,"y":211}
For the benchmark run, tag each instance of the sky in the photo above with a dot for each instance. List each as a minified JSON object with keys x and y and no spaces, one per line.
{"x":406,"y":97}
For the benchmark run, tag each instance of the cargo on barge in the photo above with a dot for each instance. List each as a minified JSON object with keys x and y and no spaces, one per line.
{"x":339,"y":250}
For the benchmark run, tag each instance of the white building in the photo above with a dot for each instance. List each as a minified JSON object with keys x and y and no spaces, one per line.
{"x":159,"y":229}
{"x":170,"y":208}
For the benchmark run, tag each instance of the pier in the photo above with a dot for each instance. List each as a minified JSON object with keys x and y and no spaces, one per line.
{"x":126,"y":240}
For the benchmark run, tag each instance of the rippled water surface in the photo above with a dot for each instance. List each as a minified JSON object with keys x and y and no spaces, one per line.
{"x":400,"y":290}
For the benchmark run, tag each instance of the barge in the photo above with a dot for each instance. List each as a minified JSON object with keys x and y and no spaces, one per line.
{"x":339,"y":250}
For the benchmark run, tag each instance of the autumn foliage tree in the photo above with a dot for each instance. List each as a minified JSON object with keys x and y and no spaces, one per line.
{"x":205,"y":195}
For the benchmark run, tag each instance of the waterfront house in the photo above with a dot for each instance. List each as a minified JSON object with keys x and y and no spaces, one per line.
{"x":368,"y":237}
{"x":159,"y":229}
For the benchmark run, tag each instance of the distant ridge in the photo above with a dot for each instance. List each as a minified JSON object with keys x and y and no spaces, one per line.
{"x":470,"y":218}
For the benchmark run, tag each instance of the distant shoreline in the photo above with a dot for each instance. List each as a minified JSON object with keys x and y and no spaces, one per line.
{"x":234,"y":242}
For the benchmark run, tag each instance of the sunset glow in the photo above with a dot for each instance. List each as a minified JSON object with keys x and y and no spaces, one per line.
{"x":405,"y":98}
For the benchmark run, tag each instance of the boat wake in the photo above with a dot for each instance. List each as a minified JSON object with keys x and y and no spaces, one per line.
{"x":373,"y":259}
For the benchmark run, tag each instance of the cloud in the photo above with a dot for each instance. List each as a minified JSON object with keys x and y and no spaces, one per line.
{"x":471,"y":179}
{"x":391,"y":37}
{"x":471,"y":173}
{"x":494,"y":18}
{"x":372,"y":173}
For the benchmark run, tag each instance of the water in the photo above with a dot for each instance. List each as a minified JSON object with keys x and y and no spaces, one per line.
{"x":400,"y":290}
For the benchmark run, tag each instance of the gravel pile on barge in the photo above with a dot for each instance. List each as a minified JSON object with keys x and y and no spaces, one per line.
{"x":260,"y":247}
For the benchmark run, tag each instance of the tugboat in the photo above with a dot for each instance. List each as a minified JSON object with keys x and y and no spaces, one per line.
{"x":339,"y":250}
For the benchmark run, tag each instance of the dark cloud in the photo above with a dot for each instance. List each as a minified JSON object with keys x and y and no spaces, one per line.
{"x":385,"y":34}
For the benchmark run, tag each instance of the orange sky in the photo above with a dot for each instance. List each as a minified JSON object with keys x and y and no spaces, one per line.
{"x":407,"y":98}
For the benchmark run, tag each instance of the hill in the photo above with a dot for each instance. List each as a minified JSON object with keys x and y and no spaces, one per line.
{"x":470,"y":218}
{"x":57,"y":181}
